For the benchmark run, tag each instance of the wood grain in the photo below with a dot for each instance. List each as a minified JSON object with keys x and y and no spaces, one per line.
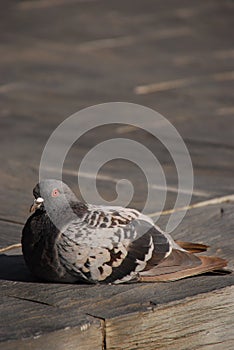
{"x":204,"y":321}
{"x":86,"y":336}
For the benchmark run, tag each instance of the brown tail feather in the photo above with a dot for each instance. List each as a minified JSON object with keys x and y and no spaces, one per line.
{"x":181,"y":265}
{"x":193,"y":247}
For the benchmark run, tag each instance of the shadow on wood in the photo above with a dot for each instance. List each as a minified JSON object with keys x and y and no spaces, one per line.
{"x":13,"y":268}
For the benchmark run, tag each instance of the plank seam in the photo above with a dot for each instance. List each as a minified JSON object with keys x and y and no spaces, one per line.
{"x":11,"y":221}
{"x":181,"y":83}
{"x":213,"y":201}
{"x":103,"y":322}
{"x":30,"y":300}
{"x":208,"y":143}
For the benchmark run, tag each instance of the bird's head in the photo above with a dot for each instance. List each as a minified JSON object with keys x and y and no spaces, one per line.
{"x":52,"y":194}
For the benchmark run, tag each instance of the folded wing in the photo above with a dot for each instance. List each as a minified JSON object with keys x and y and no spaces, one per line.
{"x":116,"y":245}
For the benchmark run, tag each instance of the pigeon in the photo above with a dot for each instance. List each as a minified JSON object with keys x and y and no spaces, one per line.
{"x":67,"y":241}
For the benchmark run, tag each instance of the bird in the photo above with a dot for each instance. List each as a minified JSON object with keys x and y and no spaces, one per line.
{"x":68,"y":241}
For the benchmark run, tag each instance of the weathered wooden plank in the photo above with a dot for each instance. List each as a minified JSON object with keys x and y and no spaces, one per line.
{"x":10,"y":233}
{"x":213,"y":174}
{"x":70,"y":338}
{"x":36,"y":322}
{"x":204,"y":321}
{"x":101,"y":67}
{"x":101,"y":300}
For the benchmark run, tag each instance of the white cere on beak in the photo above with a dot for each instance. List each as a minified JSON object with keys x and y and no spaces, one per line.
{"x":38,"y":201}
{"x":36,"y":204}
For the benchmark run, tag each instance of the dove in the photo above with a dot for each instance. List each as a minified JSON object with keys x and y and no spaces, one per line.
{"x":67,"y":241}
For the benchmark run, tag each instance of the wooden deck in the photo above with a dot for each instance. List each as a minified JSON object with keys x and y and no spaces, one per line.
{"x":175,"y":56}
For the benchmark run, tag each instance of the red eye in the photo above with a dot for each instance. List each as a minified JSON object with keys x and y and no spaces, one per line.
{"x":55,"y":193}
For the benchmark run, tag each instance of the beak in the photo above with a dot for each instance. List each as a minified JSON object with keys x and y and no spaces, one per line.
{"x":36,"y":204}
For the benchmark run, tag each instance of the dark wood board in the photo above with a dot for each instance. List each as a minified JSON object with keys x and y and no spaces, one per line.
{"x":63,"y":62}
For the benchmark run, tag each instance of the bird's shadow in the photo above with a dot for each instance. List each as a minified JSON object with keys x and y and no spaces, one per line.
{"x":13,"y":268}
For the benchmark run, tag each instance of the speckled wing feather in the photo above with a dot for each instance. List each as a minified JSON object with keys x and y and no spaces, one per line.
{"x":110,"y":244}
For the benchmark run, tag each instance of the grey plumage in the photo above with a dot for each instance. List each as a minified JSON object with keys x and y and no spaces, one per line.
{"x":65,"y":240}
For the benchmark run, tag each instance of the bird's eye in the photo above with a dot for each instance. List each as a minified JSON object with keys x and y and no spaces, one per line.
{"x":55,"y":193}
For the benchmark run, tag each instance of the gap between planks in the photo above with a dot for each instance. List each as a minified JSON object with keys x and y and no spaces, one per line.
{"x":214,"y":201}
{"x":103,"y":322}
